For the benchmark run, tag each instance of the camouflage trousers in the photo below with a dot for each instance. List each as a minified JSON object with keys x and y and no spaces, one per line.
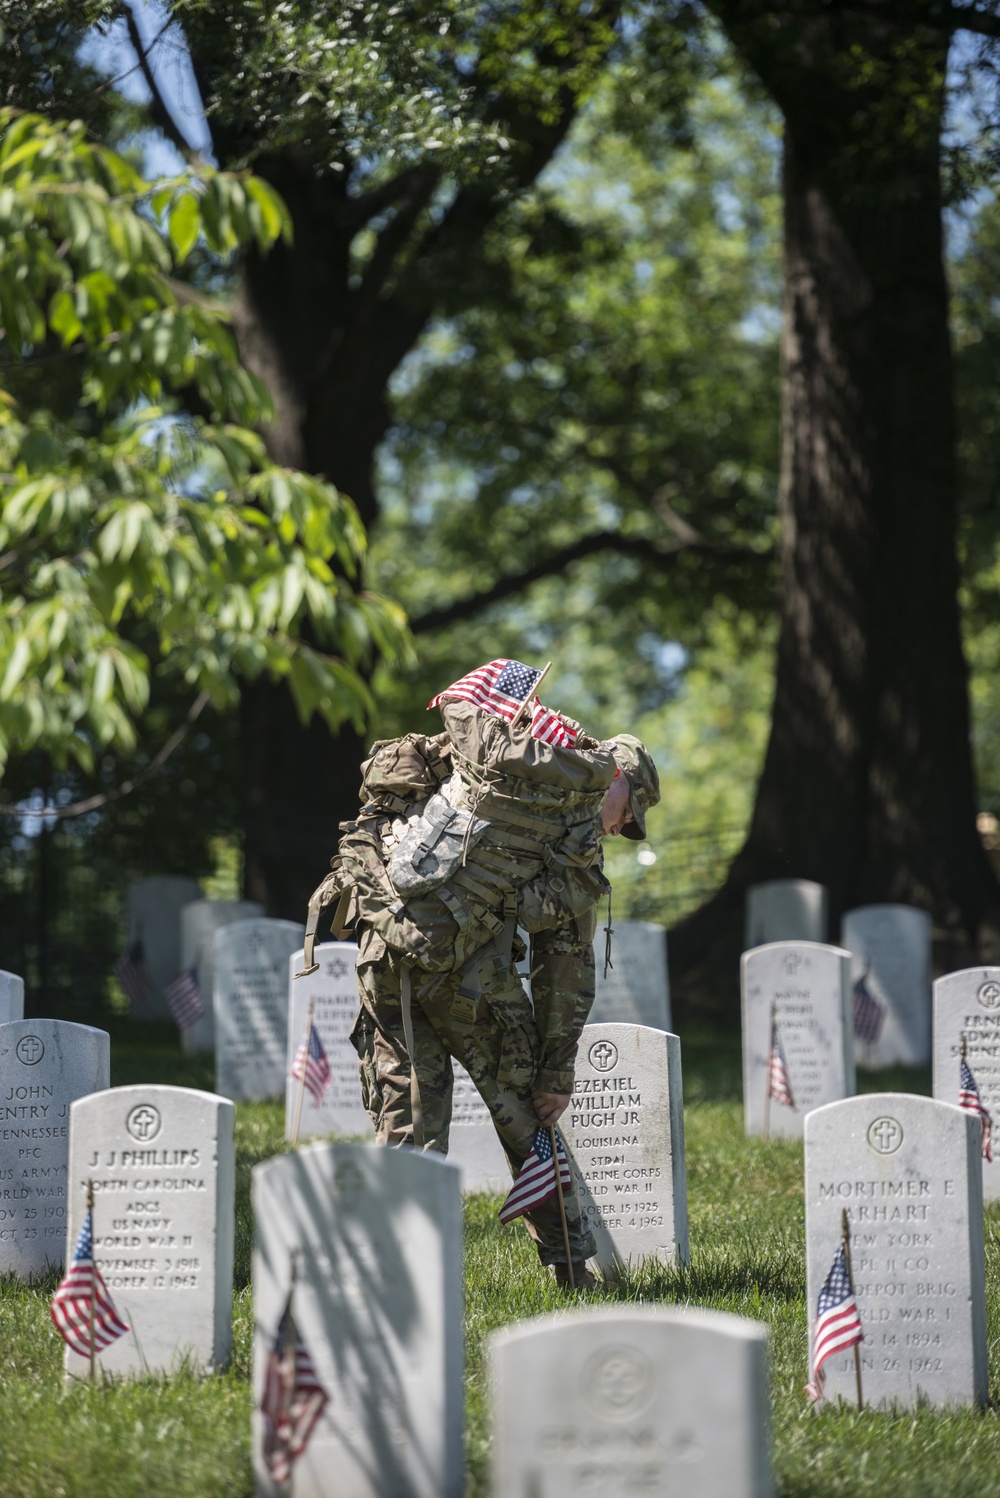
{"x":496,"y":1041}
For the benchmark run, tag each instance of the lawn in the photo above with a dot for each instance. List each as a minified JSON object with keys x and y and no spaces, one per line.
{"x":190,"y":1439}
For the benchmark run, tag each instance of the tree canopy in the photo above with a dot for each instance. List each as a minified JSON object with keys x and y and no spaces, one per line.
{"x":132,"y":540}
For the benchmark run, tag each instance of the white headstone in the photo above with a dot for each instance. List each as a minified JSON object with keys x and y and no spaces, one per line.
{"x":623,"y":1401}
{"x":333,"y":992}
{"x":967,"y":1004}
{"x":890,"y":947}
{"x":907,"y":1171}
{"x":154,"y":918}
{"x":473,"y":1144}
{"x":199,"y":922}
{"x":164,"y":1172}
{"x":45,"y":1065}
{"x":636,"y":990}
{"x":807,"y":987}
{"x":11,"y":997}
{"x":624,"y":1130}
{"x":785,"y":910}
{"x":377,"y":1239}
{"x":251,"y":1006}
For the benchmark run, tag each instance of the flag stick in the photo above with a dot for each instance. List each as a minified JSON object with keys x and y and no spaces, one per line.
{"x":846,"y":1234}
{"x":302,"y":1080}
{"x":965,"y":1049}
{"x":562,"y":1205}
{"x":770,"y":1061}
{"x":517,"y":716}
{"x":93,"y":1277}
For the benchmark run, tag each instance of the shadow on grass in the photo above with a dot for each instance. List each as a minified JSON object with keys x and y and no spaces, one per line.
{"x":735,"y":1271}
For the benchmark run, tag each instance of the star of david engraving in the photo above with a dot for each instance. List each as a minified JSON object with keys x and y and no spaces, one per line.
{"x":603,"y":1054}
{"x":989,"y":995}
{"x":337,"y":968}
{"x":791,"y":962}
{"x":885,"y":1135}
{"x":144,"y":1122}
{"x":29,"y":1049}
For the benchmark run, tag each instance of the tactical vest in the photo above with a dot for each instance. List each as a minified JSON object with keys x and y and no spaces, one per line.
{"x":464,"y":836}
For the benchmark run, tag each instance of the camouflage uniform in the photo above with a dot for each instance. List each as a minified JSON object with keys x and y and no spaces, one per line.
{"x":540,"y":857}
{"x":506,"y":1053}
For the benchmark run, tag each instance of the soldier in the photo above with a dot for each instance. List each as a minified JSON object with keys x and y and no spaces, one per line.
{"x":512,"y":837}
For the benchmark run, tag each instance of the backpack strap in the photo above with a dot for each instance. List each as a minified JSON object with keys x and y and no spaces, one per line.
{"x":405,"y":1003}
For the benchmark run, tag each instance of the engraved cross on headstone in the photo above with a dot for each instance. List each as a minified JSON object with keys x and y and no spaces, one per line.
{"x":142,"y":1122}
{"x":885,"y":1133}
{"x":603,"y":1055}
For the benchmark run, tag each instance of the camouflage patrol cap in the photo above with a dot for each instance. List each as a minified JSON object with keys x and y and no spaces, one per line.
{"x":635,"y":761}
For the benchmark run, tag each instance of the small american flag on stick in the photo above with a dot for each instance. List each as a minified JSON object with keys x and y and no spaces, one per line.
{"x":781,"y":1087}
{"x":502,"y":687}
{"x":133,"y":974}
{"x":869,"y":1014}
{"x":183,"y":998}
{"x":311,"y":1066}
{"x":82,"y":1289}
{"x":293,"y":1398}
{"x":536,"y":1180}
{"x":969,"y":1099}
{"x":838,"y":1325}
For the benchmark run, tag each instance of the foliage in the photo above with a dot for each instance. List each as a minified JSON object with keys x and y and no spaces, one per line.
{"x":192,"y":1437}
{"x":129,"y":540}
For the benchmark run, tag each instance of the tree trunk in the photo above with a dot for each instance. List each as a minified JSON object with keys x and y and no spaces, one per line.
{"x":868,"y":784}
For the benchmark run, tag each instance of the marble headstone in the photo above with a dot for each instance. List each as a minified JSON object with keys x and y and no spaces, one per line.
{"x":333,"y":991}
{"x":11,"y":997}
{"x":890,"y":946}
{"x":968,"y":1003}
{"x":45,"y":1065}
{"x":907,"y":1170}
{"x":376,"y":1237}
{"x":251,"y":1006}
{"x":624,"y":1132}
{"x":472,"y":1143}
{"x":636,"y":990}
{"x":164,"y":1171}
{"x":809,"y":986}
{"x":625,"y":1401}
{"x":785,"y":910}
{"x":154,"y":918}
{"x":199,"y":922}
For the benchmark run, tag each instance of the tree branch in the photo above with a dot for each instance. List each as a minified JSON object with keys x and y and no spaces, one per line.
{"x":640,"y":547}
{"x":158,"y":108}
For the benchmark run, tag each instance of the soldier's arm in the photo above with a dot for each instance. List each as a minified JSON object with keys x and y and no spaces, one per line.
{"x":562,"y":990}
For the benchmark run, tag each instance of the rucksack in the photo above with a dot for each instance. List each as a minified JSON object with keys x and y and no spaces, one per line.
{"x":487,"y":830}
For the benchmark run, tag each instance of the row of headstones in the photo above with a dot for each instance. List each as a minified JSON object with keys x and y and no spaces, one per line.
{"x":889,"y":946}
{"x":804,"y":991}
{"x":628,"y":1402}
{"x":161,"y":1160}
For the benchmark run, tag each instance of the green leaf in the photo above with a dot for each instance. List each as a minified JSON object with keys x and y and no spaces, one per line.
{"x":183,"y":225}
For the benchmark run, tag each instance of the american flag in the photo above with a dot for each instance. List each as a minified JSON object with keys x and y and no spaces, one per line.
{"x":838,"y":1325}
{"x":502,"y":687}
{"x":969,"y":1099}
{"x":133,"y":974}
{"x":71,"y":1303}
{"x":536,"y":1180}
{"x":311,"y":1065}
{"x":293,"y":1398}
{"x":869,"y":1014}
{"x":781,"y":1087}
{"x":183,"y":998}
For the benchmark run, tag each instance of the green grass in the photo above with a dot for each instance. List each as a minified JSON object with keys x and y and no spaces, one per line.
{"x":190,"y":1439}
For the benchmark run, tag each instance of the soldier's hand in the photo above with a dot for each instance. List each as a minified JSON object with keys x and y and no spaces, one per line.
{"x":550,"y":1106}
